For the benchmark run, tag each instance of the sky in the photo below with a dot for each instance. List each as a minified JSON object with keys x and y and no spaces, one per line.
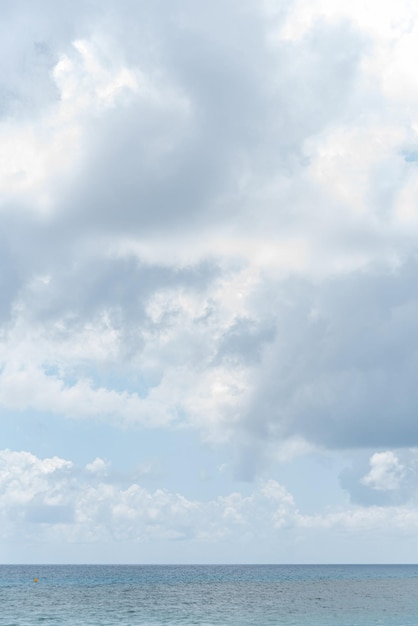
{"x":209,"y":281}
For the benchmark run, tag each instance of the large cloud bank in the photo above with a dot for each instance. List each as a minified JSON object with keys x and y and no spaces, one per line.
{"x":208,"y":218}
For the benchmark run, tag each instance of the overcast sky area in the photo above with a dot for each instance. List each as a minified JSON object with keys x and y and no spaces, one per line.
{"x":209,"y":281}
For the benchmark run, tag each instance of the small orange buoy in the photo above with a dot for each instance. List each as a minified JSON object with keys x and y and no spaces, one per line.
{"x":35,"y":580}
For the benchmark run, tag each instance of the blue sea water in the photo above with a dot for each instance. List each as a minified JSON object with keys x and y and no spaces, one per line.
{"x":209,"y":595}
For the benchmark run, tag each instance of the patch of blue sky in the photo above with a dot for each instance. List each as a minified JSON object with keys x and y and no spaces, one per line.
{"x":314,"y":480}
{"x":67,"y":377}
{"x":117,"y":379}
{"x":410,"y":156}
{"x":172,"y":459}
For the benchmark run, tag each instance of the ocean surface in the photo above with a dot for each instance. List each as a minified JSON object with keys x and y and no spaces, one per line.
{"x":209,"y":595}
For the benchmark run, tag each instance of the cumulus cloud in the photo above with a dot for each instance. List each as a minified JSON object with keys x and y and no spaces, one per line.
{"x":383,"y":478}
{"x":89,"y":505}
{"x":385,"y":471}
{"x":54,"y":500}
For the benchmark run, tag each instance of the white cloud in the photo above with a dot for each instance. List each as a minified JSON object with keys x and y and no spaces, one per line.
{"x":98,"y":466}
{"x":384,"y":20}
{"x":385,"y":471}
{"x":34,"y":490}
{"x":53,"y":500}
{"x":36,"y":153}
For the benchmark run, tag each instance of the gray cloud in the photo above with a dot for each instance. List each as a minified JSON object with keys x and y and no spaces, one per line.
{"x":225,"y":107}
{"x":117,"y":286}
{"x":341,"y":371}
{"x":244,"y":340}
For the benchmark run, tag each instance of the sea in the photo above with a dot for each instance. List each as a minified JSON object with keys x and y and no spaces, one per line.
{"x":209,"y":595}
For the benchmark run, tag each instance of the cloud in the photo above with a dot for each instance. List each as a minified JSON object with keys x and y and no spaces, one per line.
{"x":52,"y":500}
{"x":98,"y":466}
{"x":314,"y":362}
{"x":211,"y":222}
{"x":67,"y":503}
{"x":382,"y":478}
{"x":385,"y":471}
{"x":340,"y":370}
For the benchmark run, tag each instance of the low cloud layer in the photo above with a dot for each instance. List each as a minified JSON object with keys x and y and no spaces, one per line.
{"x":52,"y":500}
